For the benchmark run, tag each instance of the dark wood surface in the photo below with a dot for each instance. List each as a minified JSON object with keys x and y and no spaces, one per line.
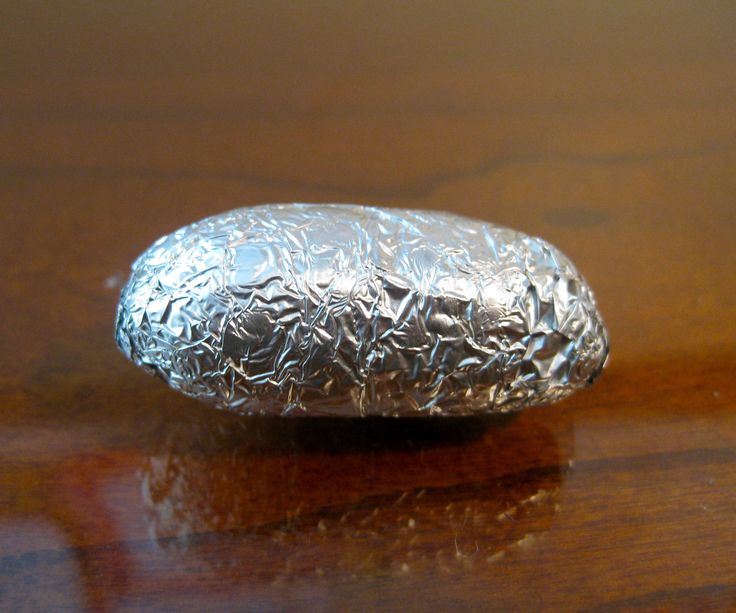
{"x":607,"y":128}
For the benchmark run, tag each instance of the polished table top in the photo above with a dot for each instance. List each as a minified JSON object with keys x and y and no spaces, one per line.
{"x":608,"y":129}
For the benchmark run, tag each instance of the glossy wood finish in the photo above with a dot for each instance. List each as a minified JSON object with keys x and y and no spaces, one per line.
{"x":609,"y":129}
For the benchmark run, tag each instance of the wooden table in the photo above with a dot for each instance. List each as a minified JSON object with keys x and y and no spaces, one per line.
{"x":609,"y":129}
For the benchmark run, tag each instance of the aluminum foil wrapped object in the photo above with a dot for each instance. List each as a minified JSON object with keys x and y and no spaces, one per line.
{"x":347,"y":310}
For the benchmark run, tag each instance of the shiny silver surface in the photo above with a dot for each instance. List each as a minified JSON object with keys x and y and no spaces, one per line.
{"x":349,"y":310}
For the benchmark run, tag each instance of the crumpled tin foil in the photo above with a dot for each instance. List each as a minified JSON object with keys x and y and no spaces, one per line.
{"x":347,"y":310}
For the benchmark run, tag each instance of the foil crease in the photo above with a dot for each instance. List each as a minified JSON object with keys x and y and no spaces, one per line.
{"x":348,"y":310}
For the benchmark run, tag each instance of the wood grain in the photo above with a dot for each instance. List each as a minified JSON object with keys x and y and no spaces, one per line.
{"x":609,"y":129}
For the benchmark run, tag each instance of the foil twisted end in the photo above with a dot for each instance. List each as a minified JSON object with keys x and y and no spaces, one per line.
{"x":347,"y":310}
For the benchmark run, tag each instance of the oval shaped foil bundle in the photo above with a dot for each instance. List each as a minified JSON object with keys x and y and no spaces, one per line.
{"x":347,"y":310}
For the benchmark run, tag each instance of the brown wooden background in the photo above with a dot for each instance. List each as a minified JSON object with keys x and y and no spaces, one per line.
{"x":607,"y":128}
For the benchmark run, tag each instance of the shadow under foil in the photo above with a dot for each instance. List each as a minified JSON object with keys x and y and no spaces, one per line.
{"x":326,"y":497}
{"x":205,"y":431}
